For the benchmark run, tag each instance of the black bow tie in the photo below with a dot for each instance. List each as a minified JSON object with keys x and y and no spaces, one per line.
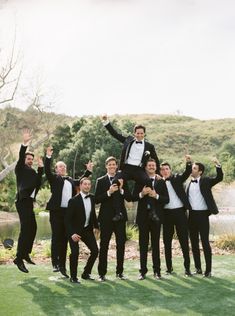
{"x":167,"y":179}
{"x":138,"y":142}
{"x":111,"y":179}
{"x":194,"y":181}
{"x":65,"y":177}
{"x":87,"y":196}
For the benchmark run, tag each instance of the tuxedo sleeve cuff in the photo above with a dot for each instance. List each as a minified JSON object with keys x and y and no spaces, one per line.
{"x":105,"y":123}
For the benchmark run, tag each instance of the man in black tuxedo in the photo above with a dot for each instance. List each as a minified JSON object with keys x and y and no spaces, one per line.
{"x":63,"y":188}
{"x":175,"y":217}
{"x":28,"y":183}
{"x":144,"y":221}
{"x":104,"y":191}
{"x":135,"y":153}
{"x":203,"y":205}
{"x":81,"y":220}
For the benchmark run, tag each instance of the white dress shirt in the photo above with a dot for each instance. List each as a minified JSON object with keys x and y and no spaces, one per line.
{"x":196,"y":199}
{"x":174,"y":201}
{"x":87,"y":205}
{"x":66,"y":193}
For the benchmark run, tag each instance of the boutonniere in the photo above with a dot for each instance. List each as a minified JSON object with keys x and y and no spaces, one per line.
{"x":147,"y":153}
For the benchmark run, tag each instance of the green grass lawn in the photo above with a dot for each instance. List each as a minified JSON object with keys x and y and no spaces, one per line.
{"x":42,"y":292}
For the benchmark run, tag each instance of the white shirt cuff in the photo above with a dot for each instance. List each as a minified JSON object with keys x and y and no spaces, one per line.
{"x":105,"y":122}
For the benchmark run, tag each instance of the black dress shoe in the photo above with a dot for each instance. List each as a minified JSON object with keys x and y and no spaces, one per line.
{"x":118,"y":217}
{"x":169,"y":271}
{"x":188,"y":273}
{"x":157,"y":276}
{"x":74,"y":280}
{"x":63,"y":272}
{"x":87,"y":277}
{"x":56,"y":268}
{"x":207,"y":275}
{"x":20,"y":265}
{"x":141,"y":277}
{"x":102,"y":278}
{"x":121,"y":276}
{"x":28,"y":260}
{"x":198,"y":271}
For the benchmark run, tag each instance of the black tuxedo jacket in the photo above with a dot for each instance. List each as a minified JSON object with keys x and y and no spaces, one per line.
{"x":206,"y":184}
{"x":127,"y":142}
{"x":107,"y":210}
{"x":177,"y":181}
{"x":142,"y":211}
{"x":75,"y":216}
{"x":27,"y":179}
{"x":56,"y":183}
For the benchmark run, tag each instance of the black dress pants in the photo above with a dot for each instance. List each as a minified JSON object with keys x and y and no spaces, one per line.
{"x":106,"y":231}
{"x":59,"y":239}
{"x":176,"y":219}
{"x":199,"y":225}
{"x":147,"y":229}
{"x":28,"y":227}
{"x":137,"y":174}
{"x":88,"y":238}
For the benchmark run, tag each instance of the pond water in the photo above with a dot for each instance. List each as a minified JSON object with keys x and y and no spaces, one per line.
{"x":223,"y":223}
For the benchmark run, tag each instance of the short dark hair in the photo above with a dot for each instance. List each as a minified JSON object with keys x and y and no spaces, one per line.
{"x":29,"y":153}
{"x":165,"y":163}
{"x":83,"y":179}
{"x":110,"y":158}
{"x":138,"y":126}
{"x":201,"y":167}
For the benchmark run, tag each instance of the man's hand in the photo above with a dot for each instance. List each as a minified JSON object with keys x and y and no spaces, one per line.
{"x":113,"y":187}
{"x":27,"y":136}
{"x":120,"y":183}
{"x":216,"y":161}
{"x":89,"y":166}
{"x":146,"y":190}
{"x":187,"y":158}
{"x":96,"y":232}
{"x":158,"y":177}
{"x":75,"y":237}
{"x":40,"y":162}
{"x":153,"y":193}
{"x":104,"y":117}
{"x":49,"y":151}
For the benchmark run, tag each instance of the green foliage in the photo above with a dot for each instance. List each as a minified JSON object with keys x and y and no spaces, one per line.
{"x":77,"y":140}
{"x":132,"y":232}
{"x":8,"y":193}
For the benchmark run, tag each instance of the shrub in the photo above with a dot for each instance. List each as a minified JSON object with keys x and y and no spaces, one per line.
{"x":226,"y":242}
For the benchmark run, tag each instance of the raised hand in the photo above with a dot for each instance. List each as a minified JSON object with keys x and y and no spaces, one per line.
{"x":187,"y":158}
{"x":40,"y":162}
{"x":27,"y":136}
{"x":49,"y":151}
{"x":104,"y":117}
{"x":216,"y":161}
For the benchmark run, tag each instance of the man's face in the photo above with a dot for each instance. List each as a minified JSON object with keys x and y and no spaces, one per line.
{"x":85,"y":186}
{"x":165,"y":171}
{"x":111,"y":167}
{"x":28,"y":160}
{"x":61,"y":168}
{"x":151,"y":168}
{"x":139,"y":134}
{"x":195,"y":171}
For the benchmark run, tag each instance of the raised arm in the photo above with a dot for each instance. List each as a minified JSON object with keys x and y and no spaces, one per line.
{"x":111,"y":130}
{"x":26,"y":139}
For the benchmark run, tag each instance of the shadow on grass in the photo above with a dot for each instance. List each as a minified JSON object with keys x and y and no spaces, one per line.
{"x":174,"y":295}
